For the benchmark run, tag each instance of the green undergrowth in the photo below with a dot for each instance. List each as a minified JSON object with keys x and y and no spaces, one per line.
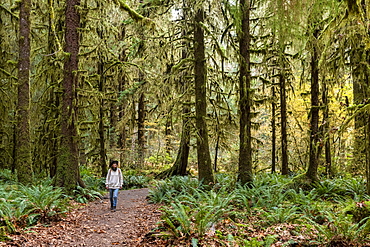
{"x":25,"y":206}
{"x":334,"y":212}
{"x":22,"y":207}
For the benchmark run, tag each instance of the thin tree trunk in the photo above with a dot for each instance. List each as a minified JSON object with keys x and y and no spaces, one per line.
{"x":216,"y":151}
{"x":141,"y":130}
{"x":121,"y":143}
{"x":23,"y":159}
{"x":314,"y":120}
{"x":359,"y":92}
{"x":102,"y":149}
{"x":245,"y":145}
{"x":204,"y":158}
{"x":273,"y":129}
{"x":68,"y":175}
{"x":326,"y":131}
{"x":284,"y":119}
{"x":167,"y":133}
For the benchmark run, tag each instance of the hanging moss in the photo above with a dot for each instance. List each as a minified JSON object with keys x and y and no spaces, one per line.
{"x":133,"y":14}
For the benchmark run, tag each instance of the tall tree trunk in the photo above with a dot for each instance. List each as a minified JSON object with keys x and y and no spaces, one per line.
{"x":102,"y":108}
{"x":181,"y":162}
{"x":283,"y":122}
{"x":141,"y":129}
{"x":273,"y":129}
{"x":314,"y":119}
{"x":68,"y":175}
{"x":102,"y":149}
{"x":359,"y":96}
{"x":23,"y":159}
{"x":326,"y":130}
{"x":245,"y":101}
{"x":121,"y":143}
{"x":204,"y":158}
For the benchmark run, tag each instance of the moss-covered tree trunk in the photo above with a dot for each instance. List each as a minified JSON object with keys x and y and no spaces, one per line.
{"x":204,"y":159}
{"x":245,"y":101}
{"x":23,"y":160}
{"x":181,"y":163}
{"x":68,"y":175}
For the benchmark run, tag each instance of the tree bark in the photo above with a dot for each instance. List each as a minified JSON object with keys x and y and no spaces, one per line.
{"x":245,"y":101}
{"x":68,"y":175}
{"x":204,"y":159}
{"x":23,"y":159}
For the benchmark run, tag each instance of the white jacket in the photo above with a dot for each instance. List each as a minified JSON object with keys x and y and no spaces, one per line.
{"x":114,"y":179}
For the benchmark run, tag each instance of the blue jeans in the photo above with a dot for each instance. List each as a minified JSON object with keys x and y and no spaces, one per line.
{"x":113,"y":195}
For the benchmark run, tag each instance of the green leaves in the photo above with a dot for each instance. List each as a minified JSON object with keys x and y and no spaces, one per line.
{"x":22,"y":206}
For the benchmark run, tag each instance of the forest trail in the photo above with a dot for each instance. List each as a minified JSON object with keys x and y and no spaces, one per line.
{"x":95,"y":225}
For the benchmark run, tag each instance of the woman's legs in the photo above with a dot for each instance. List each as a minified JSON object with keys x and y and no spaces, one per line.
{"x":113,"y":196}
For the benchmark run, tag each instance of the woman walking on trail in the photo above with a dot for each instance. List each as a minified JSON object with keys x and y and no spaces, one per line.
{"x":113,"y":183}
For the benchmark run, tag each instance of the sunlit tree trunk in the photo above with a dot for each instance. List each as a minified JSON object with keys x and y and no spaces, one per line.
{"x":68,"y":175}
{"x":245,"y":101}
{"x":23,"y":160}
{"x":204,"y":159}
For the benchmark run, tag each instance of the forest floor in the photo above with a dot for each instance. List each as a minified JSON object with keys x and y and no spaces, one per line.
{"x":95,"y":225}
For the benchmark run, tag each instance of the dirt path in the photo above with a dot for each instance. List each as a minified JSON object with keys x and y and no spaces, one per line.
{"x":95,"y":225}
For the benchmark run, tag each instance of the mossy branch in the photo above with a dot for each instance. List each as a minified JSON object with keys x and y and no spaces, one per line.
{"x":133,"y":14}
{"x":181,"y":63}
{"x":8,"y":74}
{"x":360,"y":109}
{"x":9,"y":11}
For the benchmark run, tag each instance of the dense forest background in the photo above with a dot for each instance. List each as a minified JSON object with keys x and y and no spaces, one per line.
{"x":184,"y":86}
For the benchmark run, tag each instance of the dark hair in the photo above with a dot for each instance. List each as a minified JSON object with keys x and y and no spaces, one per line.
{"x":113,"y":162}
